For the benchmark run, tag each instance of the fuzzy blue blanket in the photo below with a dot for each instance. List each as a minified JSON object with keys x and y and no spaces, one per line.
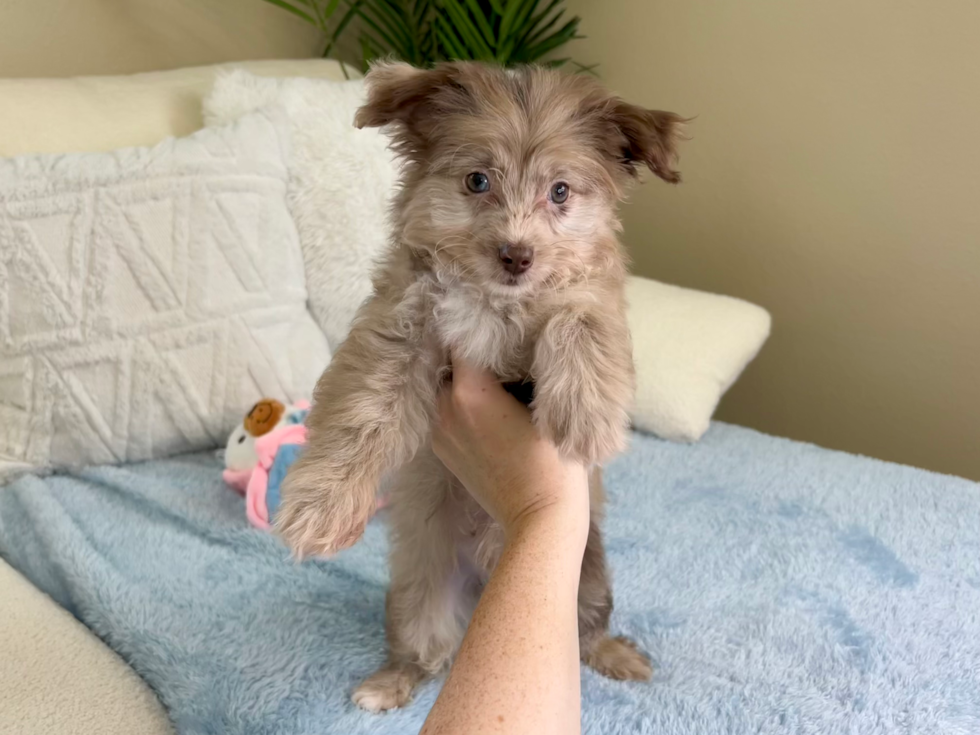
{"x":780,"y":588}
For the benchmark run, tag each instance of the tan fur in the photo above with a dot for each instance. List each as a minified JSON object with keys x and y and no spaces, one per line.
{"x":389,"y":687}
{"x":618,"y":658}
{"x":442,"y":289}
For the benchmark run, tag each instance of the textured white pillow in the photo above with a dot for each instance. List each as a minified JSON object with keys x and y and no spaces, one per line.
{"x":689,"y":346}
{"x":339,"y":185}
{"x":147,"y":296}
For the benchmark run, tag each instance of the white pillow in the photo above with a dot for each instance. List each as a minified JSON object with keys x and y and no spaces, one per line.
{"x":149,"y":295}
{"x":340,"y":182}
{"x":689,"y":346}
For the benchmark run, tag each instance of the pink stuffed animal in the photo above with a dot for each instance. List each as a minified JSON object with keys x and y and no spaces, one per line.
{"x":259,"y":452}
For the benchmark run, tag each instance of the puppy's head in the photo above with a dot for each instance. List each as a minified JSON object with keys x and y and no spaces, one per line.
{"x":512,"y":177}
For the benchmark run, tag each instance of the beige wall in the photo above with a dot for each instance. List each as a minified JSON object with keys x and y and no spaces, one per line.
{"x":833,"y":177}
{"x":51,"y":38}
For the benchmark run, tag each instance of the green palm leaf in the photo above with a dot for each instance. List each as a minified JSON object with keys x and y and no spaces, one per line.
{"x":449,"y":40}
{"x":537,"y":27}
{"x":424,"y":32}
{"x":480,"y":16}
{"x":294,"y":10}
{"x":467,"y":31}
{"x":338,"y":31}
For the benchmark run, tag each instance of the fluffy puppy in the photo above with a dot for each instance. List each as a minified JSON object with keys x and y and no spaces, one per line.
{"x":504,"y":251}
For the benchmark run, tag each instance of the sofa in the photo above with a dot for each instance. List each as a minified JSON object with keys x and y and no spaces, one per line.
{"x":778,"y":586}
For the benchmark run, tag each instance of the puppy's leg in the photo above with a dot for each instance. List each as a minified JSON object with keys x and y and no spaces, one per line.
{"x":371,"y":410}
{"x":617,"y":658}
{"x":429,"y":600}
{"x":583,"y":373}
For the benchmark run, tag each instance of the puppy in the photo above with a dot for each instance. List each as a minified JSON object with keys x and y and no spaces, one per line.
{"x":504,"y":251}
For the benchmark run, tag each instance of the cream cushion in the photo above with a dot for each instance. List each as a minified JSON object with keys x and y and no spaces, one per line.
{"x":84,"y":114}
{"x":689,"y":347}
{"x":57,"y":677}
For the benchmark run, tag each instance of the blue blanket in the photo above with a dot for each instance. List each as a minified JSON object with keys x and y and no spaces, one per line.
{"x":780,"y":588}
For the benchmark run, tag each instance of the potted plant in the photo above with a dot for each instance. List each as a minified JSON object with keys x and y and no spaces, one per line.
{"x":423,"y":32}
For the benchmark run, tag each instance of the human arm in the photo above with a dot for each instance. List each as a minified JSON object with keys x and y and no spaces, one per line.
{"x":517,"y":670}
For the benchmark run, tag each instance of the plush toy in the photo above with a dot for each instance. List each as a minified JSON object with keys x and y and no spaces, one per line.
{"x":258,"y":455}
{"x":260,"y":451}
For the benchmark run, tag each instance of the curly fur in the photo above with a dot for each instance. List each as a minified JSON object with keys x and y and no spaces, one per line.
{"x":441,"y":290}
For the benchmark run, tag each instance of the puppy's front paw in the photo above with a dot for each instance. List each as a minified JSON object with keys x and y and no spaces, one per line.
{"x":320,"y":515}
{"x":589,"y":436}
{"x":583,"y":373}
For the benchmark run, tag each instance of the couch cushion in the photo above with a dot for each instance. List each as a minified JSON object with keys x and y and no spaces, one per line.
{"x":105,"y":113}
{"x":57,"y":677}
{"x":689,"y":348}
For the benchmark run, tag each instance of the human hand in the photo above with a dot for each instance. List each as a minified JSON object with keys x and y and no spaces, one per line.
{"x":486,"y":438}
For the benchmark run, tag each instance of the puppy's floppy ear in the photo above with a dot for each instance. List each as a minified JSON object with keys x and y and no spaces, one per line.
{"x":643,"y":136}
{"x":393,"y":90}
{"x":651,"y":138}
{"x":412,"y":99}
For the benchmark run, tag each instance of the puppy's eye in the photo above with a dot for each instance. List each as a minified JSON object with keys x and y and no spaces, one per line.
{"x":478,"y":182}
{"x":559,"y":192}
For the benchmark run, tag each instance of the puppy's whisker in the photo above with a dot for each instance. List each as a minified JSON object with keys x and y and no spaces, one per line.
{"x":455,"y":241}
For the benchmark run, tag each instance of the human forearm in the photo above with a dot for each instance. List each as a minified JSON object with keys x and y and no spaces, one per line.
{"x":518,"y":668}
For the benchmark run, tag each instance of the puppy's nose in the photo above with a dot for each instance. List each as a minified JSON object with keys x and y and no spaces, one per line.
{"x":516,"y":258}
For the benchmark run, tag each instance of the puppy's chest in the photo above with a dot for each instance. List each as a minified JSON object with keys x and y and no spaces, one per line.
{"x":498,"y":336}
